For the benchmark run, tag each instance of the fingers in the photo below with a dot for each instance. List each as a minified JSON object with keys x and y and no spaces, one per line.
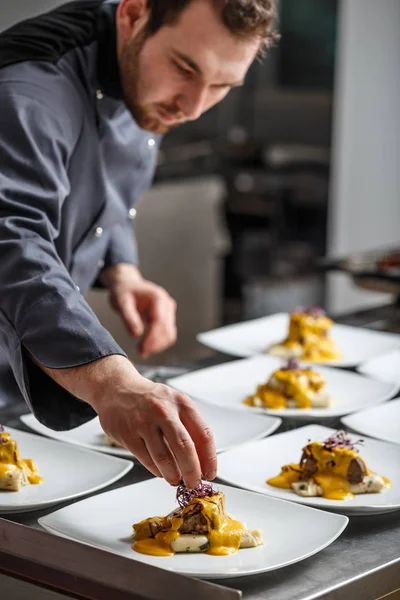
{"x":139,"y":450}
{"x":125,"y":304}
{"x":161,"y":333}
{"x":183,"y":450}
{"x":202,"y":437}
{"x":162,"y":457}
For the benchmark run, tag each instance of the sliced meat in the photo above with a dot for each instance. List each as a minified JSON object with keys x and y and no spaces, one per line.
{"x":308,"y":465}
{"x":356,"y":471}
{"x":194,"y":522}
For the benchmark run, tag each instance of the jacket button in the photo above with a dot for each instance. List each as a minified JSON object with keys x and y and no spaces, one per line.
{"x":78,"y":289}
{"x":132,"y":213}
{"x":99,"y":95}
{"x":100,"y":264}
{"x":151,"y":143}
{"x":98,"y":232}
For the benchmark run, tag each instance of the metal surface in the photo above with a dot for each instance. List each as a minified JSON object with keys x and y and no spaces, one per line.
{"x":364,"y":563}
{"x":92,"y":573}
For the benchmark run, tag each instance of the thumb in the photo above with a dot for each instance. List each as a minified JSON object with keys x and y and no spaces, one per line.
{"x":126,"y":307}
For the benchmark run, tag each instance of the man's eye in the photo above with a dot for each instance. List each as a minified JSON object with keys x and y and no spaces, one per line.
{"x":182,"y":70}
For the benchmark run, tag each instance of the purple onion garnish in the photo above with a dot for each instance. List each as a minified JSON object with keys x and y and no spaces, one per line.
{"x":291,"y":365}
{"x":316,"y":311}
{"x":313,"y":311}
{"x":184,"y":496}
{"x":340,"y":439}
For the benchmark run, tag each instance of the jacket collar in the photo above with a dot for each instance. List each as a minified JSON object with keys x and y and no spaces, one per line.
{"x":108,"y":73}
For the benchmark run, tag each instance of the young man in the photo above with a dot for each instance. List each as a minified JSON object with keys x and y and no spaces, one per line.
{"x":73,"y":164}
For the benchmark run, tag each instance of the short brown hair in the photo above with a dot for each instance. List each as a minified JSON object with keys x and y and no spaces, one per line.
{"x":244,"y":18}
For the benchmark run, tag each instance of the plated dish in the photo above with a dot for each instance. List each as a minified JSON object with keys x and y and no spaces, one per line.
{"x":15,"y":472}
{"x":199,"y":524}
{"x":332,"y":468}
{"x":253,"y":337}
{"x":308,"y":338}
{"x":228,"y":385}
{"x":252,"y":465}
{"x":58,"y":464}
{"x":230,"y":429}
{"x":292,"y":532}
{"x":382,"y":423}
{"x":292,"y":386}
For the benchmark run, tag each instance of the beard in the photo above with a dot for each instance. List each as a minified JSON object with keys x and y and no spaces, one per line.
{"x":144,"y":115}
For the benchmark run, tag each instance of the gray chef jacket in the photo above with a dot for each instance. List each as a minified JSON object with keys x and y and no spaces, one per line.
{"x":73,"y":164}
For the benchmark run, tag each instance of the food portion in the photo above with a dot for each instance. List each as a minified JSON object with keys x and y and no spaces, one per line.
{"x":291,"y":387}
{"x":199,"y":524}
{"x":332,"y":469}
{"x":110,"y":442}
{"x":308,"y":337}
{"x":15,"y":472}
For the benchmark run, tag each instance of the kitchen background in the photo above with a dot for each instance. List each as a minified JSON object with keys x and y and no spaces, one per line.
{"x":301,"y":163}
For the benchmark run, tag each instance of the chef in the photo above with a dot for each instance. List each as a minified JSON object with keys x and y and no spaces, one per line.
{"x":86,"y":92}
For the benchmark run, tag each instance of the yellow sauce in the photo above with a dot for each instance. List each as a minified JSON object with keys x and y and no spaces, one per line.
{"x":331,"y":474}
{"x":224,"y":534}
{"x":386,"y":481}
{"x":10,"y":460}
{"x":289,"y":474}
{"x":300,"y":385}
{"x":309,"y":338}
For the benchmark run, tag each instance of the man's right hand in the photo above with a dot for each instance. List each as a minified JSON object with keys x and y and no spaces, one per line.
{"x":159,"y":425}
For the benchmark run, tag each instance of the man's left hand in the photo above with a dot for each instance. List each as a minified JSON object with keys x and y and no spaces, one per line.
{"x":145,"y":307}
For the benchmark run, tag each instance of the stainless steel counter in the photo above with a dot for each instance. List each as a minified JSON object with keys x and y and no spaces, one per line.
{"x":364,"y":563}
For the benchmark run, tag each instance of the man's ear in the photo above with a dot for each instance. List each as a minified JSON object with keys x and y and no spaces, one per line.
{"x":131,"y":16}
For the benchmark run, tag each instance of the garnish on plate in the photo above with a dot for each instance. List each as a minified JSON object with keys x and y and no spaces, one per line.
{"x":185,"y":495}
{"x":291,"y":386}
{"x":15,"y":472}
{"x":308,"y":337}
{"x":340,"y":439}
{"x":199,"y":524}
{"x":332,"y":469}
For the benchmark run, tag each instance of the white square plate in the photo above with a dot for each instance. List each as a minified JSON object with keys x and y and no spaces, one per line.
{"x":68,"y":472}
{"x":227,"y":385}
{"x":382,"y":422}
{"x":385,"y":367}
{"x":254,"y":337}
{"x":291,"y":532}
{"x":230,"y":429}
{"x":252,"y":464}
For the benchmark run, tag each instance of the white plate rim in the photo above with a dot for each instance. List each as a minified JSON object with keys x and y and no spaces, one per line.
{"x":203,"y":338}
{"x":289,"y":413}
{"x":29,"y":420}
{"x":340,"y":517}
{"x":24,"y":508}
{"x":364,"y":367}
{"x":348,"y":421}
{"x":353,"y":510}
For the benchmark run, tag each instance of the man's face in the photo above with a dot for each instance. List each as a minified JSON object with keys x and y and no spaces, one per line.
{"x":183,"y":69}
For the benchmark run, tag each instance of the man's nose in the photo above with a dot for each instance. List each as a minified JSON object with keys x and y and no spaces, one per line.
{"x":192,"y":101}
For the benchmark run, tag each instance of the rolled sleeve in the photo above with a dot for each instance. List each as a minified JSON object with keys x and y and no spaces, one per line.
{"x":122,"y":247}
{"x":41,"y":312}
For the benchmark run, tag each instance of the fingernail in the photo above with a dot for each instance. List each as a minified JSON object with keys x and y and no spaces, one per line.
{"x":211,"y":475}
